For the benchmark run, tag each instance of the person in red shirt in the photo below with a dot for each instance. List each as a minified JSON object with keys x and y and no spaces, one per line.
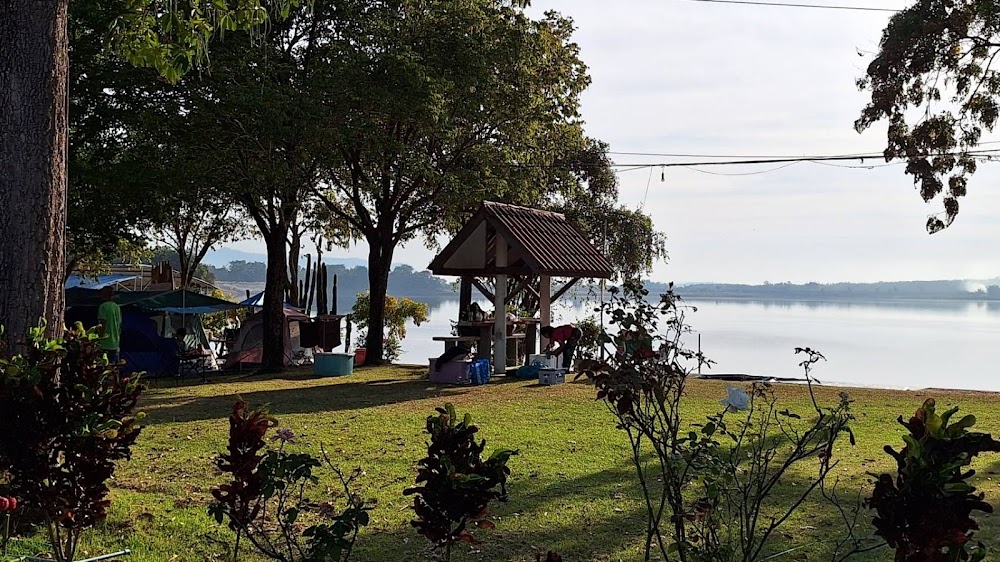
{"x":562,"y":339}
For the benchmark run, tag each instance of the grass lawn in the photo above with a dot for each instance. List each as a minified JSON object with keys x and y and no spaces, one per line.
{"x":572,"y":490}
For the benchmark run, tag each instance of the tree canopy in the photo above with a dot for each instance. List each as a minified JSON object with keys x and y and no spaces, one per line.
{"x":934,"y":81}
{"x":441,"y":105}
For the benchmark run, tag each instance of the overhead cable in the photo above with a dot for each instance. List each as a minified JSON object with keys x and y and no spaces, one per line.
{"x":797,"y":5}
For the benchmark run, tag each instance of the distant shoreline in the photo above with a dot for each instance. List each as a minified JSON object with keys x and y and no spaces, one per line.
{"x":840,"y":299}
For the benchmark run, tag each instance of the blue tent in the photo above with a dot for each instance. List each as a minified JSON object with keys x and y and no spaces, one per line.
{"x":149,"y":320}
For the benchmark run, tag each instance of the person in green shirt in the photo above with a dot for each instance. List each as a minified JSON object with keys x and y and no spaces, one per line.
{"x":109,"y":314}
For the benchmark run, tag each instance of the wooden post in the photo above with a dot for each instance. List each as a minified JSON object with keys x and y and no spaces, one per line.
{"x":545,"y":304}
{"x":500,"y":311}
{"x":464,"y":297}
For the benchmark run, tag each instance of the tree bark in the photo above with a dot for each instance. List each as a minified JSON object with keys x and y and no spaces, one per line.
{"x":33,"y":160}
{"x":379,"y":264}
{"x":294,"y":251}
{"x":274,"y":300}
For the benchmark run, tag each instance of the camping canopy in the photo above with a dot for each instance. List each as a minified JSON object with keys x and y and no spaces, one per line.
{"x":180,"y":301}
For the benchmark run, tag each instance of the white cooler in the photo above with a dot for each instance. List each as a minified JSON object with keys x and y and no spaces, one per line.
{"x":547,"y":361}
{"x":549,"y":377}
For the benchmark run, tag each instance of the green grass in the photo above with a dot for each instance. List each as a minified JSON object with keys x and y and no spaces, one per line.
{"x":572,"y":490}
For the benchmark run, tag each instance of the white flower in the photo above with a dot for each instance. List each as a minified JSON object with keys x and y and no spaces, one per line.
{"x":736,"y":399}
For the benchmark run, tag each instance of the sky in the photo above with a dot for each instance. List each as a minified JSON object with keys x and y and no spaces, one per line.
{"x":687,"y":77}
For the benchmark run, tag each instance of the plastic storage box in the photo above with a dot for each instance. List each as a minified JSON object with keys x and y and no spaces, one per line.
{"x":546,"y":361}
{"x":480,"y":371}
{"x":456,"y":371}
{"x":549,"y":377}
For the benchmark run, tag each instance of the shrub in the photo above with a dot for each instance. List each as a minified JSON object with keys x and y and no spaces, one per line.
{"x":266,"y":495}
{"x":925,"y":513}
{"x":710,"y":488}
{"x":67,"y":418}
{"x":454,"y":484}
{"x":397,"y":313}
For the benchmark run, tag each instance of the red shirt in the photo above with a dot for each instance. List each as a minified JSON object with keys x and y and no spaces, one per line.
{"x":562,"y":333}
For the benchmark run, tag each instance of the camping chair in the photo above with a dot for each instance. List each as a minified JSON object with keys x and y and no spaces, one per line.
{"x":189,"y":363}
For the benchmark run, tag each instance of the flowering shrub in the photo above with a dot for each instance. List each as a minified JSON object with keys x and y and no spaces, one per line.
{"x":68,"y":418}
{"x":266,"y":495}
{"x":709,"y":488}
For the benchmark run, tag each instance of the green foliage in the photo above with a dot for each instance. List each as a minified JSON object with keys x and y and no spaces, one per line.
{"x":933,"y":81}
{"x":173,"y":36}
{"x":711,"y":489}
{"x":590,"y":342}
{"x":67,"y":418}
{"x":454,"y":484}
{"x":925,"y":514}
{"x":265,"y":501}
{"x":397,"y":313}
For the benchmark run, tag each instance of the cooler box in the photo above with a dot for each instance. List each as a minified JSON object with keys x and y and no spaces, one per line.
{"x":456,"y":371}
{"x":547,"y":362}
{"x":549,"y":377}
{"x":479,"y":372}
{"x":333,"y":364}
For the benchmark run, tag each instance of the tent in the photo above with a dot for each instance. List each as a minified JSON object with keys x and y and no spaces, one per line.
{"x":249,"y":345}
{"x":149,"y":321}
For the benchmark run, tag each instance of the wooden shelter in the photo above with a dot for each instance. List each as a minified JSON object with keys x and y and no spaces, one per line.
{"x":522,"y":249}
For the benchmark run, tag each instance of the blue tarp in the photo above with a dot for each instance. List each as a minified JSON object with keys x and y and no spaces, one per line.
{"x":98,"y":282}
{"x":254,"y":300}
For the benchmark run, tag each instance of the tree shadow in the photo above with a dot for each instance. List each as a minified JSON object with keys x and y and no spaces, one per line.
{"x":167,"y":403}
{"x":609,"y":525}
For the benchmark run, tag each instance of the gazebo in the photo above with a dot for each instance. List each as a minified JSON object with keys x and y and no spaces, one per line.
{"x":522,"y":249}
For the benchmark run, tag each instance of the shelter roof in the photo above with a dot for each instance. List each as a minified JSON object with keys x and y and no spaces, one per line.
{"x":97,"y":282}
{"x":541,"y":242}
{"x":175,"y":302}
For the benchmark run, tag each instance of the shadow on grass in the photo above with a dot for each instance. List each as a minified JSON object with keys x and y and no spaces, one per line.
{"x":162,"y":403}
{"x":607,"y":522}
{"x":534,"y":520}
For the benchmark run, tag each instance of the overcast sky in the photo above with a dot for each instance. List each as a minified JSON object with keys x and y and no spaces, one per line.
{"x":676,"y":76}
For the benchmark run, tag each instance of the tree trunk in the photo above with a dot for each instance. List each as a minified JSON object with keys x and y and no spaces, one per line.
{"x":274,"y":299}
{"x":33,"y":141}
{"x":379,"y":265}
{"x":294,"y":251}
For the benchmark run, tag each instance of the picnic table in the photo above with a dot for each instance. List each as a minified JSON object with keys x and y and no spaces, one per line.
{"x":525,"y":329}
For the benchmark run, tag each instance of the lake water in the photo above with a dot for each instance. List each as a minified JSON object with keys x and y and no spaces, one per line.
{"x":912,"y":345}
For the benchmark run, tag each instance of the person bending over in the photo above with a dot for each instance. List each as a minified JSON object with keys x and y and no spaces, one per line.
{"x":562,"y":340}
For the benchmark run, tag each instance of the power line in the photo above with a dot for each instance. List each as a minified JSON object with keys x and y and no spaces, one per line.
{"x":731,"y":156}
{"x":782,"y":167}
{"x":637,"y":165}
{"x":794,"y":5}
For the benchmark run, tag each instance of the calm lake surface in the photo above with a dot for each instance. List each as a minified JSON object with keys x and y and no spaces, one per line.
{"x":907,"y":345}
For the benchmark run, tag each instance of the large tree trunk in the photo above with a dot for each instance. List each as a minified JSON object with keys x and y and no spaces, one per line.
{"x":379,"y":265}
{"x":33,"y":144}
{"x":274,"y":299}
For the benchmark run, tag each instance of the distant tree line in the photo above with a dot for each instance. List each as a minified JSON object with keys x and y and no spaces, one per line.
{"x":944,"y":289}
{"x":404,"y":280}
